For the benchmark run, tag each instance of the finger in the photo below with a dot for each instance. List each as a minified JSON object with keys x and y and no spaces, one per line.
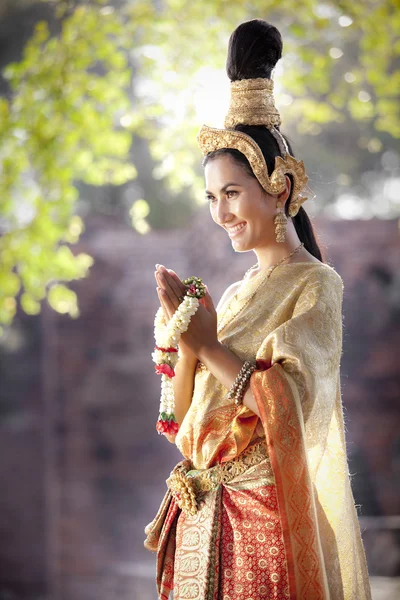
{"x":161,"y":280}
{"x":161,"y":286}
{"x":173,"y":282}
{"x":170,"y":310}
{"x":209,"y":299}
{"x":164,"y":304}
{"x":176,"y":284}
{"x":166,"y":299}
{"x":164,"y":280}
{"x":207,"y":302}
{"x":180,"y":285}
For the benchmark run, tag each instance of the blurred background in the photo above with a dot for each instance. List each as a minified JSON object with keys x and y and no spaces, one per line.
{"x":100,"y":103}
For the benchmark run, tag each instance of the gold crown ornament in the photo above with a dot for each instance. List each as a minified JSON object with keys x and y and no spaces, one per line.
{"x":252,"y":103}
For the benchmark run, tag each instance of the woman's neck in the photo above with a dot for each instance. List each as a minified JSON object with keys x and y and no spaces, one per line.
{"x":269,"y":256}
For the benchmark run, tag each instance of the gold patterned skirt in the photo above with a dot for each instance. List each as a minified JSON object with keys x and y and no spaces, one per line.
{"x":218,"y":534}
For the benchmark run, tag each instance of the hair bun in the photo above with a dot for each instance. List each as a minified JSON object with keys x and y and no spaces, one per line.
{"x":254,"y":49}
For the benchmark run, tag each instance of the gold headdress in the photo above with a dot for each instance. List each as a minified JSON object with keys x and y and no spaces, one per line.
{"x":252,"y":103}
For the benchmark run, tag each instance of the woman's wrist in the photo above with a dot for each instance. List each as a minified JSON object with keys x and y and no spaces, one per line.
{"x":225,"y":366}
{"x":210,"y":352}
{"x":187,"y":357}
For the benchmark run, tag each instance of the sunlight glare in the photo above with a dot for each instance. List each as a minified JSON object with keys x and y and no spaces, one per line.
{"x":335,"y":53}
{"x":345,"y":21}
{"x":211,"y":96}
{"x":349,"y":206}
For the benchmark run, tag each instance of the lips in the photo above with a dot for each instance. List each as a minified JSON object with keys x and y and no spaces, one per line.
{"x":237,"y":229}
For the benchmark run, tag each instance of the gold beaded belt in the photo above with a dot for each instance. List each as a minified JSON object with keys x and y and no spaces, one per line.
{"x":252,"y":468}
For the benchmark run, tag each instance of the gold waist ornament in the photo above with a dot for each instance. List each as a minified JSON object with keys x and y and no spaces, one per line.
{"x":252,"y":468}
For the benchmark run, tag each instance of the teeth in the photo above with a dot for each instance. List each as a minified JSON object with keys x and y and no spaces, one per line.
{"x":236,"y":228}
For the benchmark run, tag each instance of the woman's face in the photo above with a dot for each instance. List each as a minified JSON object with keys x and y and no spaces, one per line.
{"x":239,"y":204}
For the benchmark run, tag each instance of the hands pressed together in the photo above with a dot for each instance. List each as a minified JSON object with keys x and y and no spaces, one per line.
{"x":202,"y":331}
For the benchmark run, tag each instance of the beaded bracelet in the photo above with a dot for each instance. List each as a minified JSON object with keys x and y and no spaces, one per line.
{"x":239,"y":385}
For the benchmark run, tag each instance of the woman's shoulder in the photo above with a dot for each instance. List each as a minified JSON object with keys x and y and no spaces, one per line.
{"x":315,"y":267}
{"x":327,"y":274}
{"x":321,"y":283}
{"x":310,"y":272}
{"x":312,"y":281}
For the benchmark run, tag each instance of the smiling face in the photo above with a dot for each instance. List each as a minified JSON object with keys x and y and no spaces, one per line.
{"x":239,"y":204}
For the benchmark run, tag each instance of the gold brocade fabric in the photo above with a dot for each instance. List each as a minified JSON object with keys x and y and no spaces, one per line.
{"x":251,"y":469}
{"x":294,"y":321}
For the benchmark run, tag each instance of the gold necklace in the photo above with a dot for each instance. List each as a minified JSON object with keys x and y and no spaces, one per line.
{"x":268,"y":274}
{"x":278,"y":263}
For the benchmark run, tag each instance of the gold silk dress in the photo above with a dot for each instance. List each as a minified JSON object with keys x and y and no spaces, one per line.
{"x":274,"y":516}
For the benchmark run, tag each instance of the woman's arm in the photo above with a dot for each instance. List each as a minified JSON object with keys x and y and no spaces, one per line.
{"x":183,"y":388}
{"x":185,"y":368}
{"x":185,"y":372}
{"x":225,"y":366}
{"x":183,"y":385}
{"x":219,"y":360}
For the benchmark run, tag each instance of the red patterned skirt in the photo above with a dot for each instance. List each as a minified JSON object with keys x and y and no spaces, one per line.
{"x":233,"y":548}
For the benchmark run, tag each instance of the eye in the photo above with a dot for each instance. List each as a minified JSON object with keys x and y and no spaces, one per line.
{"x":210,"y":198}
{"x":231,"y":193}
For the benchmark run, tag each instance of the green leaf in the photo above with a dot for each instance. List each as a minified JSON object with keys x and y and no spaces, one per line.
{"x":10,"y":284}
{"x":63,"y":300}
{"x":29,"y":304}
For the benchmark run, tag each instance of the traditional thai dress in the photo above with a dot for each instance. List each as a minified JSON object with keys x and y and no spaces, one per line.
{"x":262,"y":508}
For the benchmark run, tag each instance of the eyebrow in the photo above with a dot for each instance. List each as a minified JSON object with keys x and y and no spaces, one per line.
{"x":223,"y":189}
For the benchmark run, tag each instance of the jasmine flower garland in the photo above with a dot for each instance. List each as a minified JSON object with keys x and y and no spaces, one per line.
{"x":165,"y":355}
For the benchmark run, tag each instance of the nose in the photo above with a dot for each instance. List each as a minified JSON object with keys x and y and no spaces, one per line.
{"x":222,"y":214}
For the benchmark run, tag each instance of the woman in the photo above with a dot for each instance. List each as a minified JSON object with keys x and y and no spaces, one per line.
{"x":262,"y":506}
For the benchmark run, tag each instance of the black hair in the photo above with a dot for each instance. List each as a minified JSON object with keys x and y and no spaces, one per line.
{"x":254,"y":49}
